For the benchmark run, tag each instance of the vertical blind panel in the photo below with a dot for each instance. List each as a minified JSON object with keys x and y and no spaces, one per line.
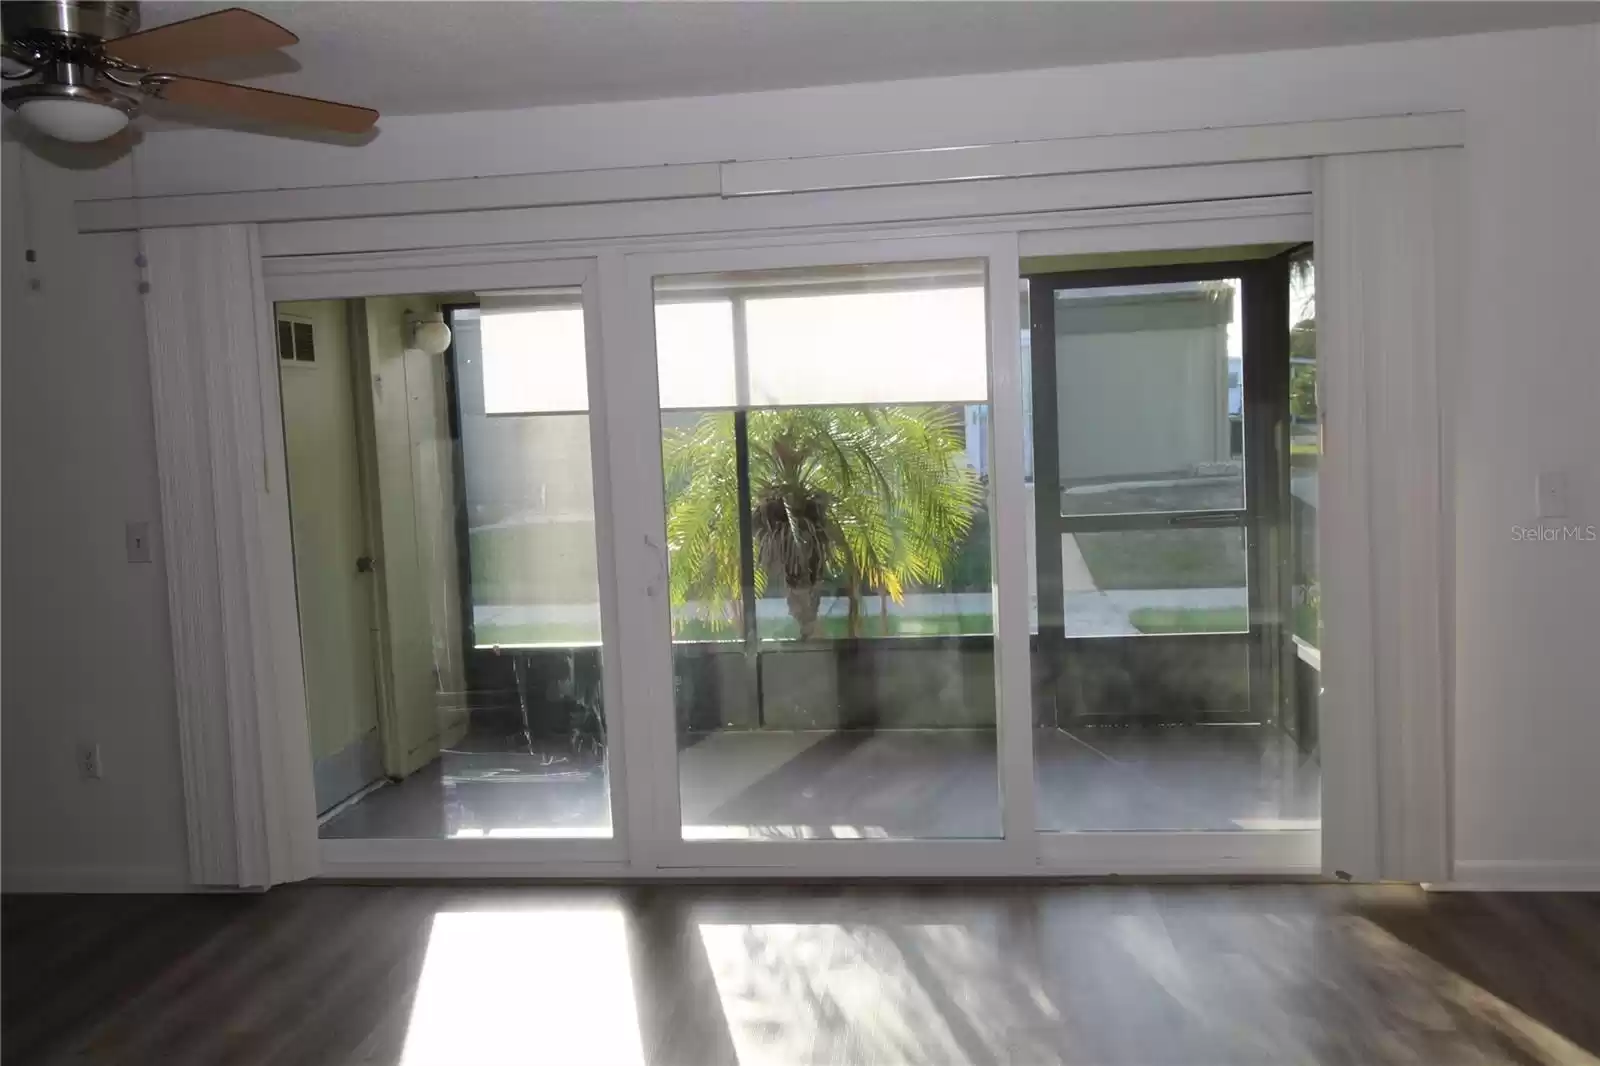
{"x":1387,"y":301}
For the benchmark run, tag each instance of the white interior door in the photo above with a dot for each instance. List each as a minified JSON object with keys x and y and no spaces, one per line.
{"x":333,"y":575}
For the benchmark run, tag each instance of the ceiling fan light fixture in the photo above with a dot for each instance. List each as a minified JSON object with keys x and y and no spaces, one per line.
{"x":77,"y":113}
{"x":88,"y":65}
{"x":78,"y":121}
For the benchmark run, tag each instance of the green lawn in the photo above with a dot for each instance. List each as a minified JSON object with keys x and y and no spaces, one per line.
{"x":528,"y":563}
{"x":1165,"y":558}
{"x":1305,"y":623}
{"x":1190,"y":619}
{"x":835,"y":627}
{"x":559,"y":633}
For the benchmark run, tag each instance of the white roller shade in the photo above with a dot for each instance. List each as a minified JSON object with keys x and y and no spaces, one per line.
{"x":900,"y":334}
{"x":534,"y":355}
{"x":694,"y":355}
{"x":916,"y":346}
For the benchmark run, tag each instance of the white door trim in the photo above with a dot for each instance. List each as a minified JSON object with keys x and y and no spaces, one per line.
{"x":1051,"y":157}
{"x":992,"y":201}
{"x":1236,"y":219}
{"x":1082,"y":155}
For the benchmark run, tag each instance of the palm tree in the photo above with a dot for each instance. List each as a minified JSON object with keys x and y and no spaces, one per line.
{"x":872,"y":498}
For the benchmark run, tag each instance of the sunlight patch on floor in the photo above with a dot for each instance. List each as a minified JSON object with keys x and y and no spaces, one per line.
{"x":525,"y":988}
{"x":867,"y":993}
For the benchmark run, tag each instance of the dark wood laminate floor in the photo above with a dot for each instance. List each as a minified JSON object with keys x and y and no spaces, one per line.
{"x":704,"y":975}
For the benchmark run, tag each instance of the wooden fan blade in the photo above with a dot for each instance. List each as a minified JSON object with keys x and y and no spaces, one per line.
{"x":261,"y":104}
{"x":233,"y":32}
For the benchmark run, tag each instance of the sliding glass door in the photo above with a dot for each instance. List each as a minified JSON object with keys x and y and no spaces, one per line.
{"x":452,"y":570}
{"x":828,"y":520}
{"x":1167,"y":682}
{"x":723,"y":559}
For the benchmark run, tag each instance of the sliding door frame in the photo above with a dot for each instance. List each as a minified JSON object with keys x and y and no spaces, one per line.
{"x":624,"y":410}
{"x":1264,"y":451}
{"x":618,"y":298}
{"x":651,"y":666}
{"x":598,"y":856}
{"x":1264,"y":345}
{"x":214,"y":264}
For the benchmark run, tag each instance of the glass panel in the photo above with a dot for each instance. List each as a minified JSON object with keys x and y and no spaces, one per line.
{"x":829,"y":557}
{"x":443,"y":514}
{"x":1305,"y":447}
{"x":1305,"y":456}
{"x":1149,"y":384}
{"x":1159,"y":709}
{"x":1127,"y":582}
{"x":529,"y":490}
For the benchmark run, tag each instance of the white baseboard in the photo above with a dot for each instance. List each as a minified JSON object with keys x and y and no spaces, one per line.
{"x":1523,"y":875}
{"x":96,"y":879}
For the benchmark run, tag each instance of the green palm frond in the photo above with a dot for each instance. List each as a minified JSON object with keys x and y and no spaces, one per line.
{"x":867,"y":498}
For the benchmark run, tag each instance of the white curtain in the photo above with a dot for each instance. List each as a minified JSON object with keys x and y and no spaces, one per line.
{"x":1388,"y":308}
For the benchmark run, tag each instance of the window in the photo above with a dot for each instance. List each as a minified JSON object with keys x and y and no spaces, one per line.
{"x":824,"y":443}
{"x":1305,"y":446}
{"x":867,"y":391}
{"x":529,"y":492}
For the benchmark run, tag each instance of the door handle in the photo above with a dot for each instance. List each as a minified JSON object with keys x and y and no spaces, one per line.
{"x":366,"y":564}
{"x":1206,"y":520}
{"x":653,"y":586}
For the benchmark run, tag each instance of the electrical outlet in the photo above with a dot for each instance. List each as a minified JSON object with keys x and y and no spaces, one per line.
{"x":137,"y":536}
{"x":89,"y":766}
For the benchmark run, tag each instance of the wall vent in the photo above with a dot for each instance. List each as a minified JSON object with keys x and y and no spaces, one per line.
{"x":297,"y":340}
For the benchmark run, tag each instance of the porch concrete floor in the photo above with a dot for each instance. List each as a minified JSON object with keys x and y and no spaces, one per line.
{"x":896,"y":784}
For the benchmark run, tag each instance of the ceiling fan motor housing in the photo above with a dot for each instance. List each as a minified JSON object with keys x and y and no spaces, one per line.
{"x":91,"y":21}
{"x":60,"y":40}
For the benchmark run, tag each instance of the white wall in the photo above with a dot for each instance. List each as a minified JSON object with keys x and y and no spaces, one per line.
{"x":928,"y":113}
{"x":87,"y":653}
{"x":1527,"y":727}
{"x":1527,"y":720}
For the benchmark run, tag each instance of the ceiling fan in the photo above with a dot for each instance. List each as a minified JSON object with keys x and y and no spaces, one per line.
{"x":84,"y":68}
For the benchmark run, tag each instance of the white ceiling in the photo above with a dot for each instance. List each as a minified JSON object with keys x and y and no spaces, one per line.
{"x":426,"y":56}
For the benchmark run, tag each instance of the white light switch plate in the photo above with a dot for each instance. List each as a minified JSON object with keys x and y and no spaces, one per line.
{"x":137,"y":535}
{"x":1552,"y":491}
